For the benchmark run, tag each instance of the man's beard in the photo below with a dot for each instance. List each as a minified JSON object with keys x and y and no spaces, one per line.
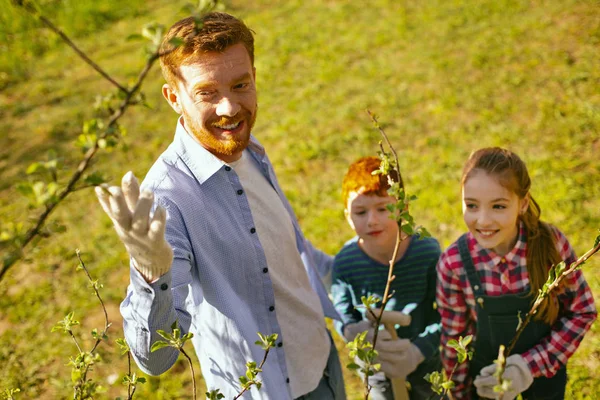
{"x":228,"y":146}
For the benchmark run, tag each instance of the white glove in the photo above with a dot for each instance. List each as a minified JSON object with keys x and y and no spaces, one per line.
{"x":351,"y":330}
{"x":516,"y":371}
{"x":398,"y":358}
{"x":142,"y":235}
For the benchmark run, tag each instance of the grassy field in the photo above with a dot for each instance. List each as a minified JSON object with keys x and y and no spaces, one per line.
{"x":444,"y":77}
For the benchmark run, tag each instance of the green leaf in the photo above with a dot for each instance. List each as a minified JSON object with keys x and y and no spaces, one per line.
{"x":353,"y":366}
{"x":134,"y":36}
{"x":158,"y":345}
{"x":164,"y":334}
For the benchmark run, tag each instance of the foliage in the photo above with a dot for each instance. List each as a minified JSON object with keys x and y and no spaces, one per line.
{"x":448,"y":77}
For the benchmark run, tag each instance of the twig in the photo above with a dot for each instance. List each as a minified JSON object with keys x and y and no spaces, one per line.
{"x":259,"y":367}
{"x":106,"y":323}
{"x":538,"y":301}
{"x":392,"y":261}
{"x":192,"y":370}
{"x":30,"y":8}
{"x":86,"y":161}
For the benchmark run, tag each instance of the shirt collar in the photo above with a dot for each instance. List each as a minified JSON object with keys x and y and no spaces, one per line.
{"x":513,"y":256}
{"x":202,"y":162}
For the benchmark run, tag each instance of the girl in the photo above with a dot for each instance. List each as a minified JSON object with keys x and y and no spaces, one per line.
{"x":492,"y":274}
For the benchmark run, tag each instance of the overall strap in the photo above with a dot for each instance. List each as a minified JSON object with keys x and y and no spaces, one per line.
{"x":465,"y":256}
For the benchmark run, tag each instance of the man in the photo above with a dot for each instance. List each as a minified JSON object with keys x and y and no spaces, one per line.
{"x":222,"y":253}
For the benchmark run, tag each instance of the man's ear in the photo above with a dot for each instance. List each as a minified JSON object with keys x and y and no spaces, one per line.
{"x":172,"y":98}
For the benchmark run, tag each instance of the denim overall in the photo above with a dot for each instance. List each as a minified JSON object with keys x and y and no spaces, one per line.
{"x":497,"y":320}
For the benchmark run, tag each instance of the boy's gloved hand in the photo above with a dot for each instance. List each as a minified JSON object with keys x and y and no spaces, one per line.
{"x":398,"y":358}
{"x":351,"y":330}
{"x":142,"y":235}
{"x":516,"y":370}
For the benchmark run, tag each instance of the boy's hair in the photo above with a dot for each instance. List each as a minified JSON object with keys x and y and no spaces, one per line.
{"x":512,"y":174}
{"x":215,"y":31}
{"x":360,"y":178}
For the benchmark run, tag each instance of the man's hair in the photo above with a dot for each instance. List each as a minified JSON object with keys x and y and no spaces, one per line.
{"x":360,"y":179}
{"x":215,"y":31}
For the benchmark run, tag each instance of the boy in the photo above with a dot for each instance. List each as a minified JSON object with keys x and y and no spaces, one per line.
{"x":361,"y":269}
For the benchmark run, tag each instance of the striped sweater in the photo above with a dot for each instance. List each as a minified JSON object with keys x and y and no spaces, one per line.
{"x":355,"y":274}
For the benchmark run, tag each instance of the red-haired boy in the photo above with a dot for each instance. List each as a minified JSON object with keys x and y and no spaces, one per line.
{"x":361,"y":269}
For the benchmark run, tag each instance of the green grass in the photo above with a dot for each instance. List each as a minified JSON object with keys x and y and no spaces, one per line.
{"x":444,"y":77}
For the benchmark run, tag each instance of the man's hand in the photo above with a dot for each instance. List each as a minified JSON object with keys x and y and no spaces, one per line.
{"x":516,"y":371}
{"x":142,"y":235}
{"x":351,"y":330}
{"x":398,"y":358}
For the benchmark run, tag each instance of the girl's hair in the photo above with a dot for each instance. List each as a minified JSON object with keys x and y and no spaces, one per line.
{"x":512,"y":174}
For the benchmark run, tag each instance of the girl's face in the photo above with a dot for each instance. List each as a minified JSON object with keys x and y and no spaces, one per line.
{"x":491,"y":212}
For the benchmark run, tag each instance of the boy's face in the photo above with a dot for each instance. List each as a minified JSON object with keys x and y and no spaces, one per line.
{"x":368,"y":215}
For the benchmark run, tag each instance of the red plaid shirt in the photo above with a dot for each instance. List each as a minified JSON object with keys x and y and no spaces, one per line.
{"x":508,"y":275}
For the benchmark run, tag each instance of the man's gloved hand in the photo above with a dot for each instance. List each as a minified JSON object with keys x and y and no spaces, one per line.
{"x":351,"y":330}
{"x":516,"y":371}
{"x":142,"y":235}
{"x":398,"y":358}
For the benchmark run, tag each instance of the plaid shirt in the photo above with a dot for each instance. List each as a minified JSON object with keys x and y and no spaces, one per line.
{"x":508,"y":275}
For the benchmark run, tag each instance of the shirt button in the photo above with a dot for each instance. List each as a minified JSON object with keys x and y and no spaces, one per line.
{"x":147,"y":290}
{"x":227,"y":168}
{"x":503,"y":260}
{"x":240,"y":191}
{"x":272,"y":308}
{"x":287,"y":380}
{"x":252,"y":230}
{"x":265,"y":270}
{"x":279,"y":344}
{"x":164,"y":286}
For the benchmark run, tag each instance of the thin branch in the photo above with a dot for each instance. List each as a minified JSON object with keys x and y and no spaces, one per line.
{"x":192,"y":370}
{"x":392,"y":261}
{"x":84,"y":164}
{"x":259,"y":367}
{"x":129,"y":392}
{"x":538,"y":301}
{"x":106,"y":323}
{"x":27,"y":6}
{"x":75,"y":340}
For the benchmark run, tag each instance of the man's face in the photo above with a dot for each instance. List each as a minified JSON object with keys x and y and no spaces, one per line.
{"x":216,"y":95}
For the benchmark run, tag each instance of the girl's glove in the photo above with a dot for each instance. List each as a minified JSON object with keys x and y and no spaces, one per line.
{"x":516,"y":371}
{"x":143,"y":235}
{"x":398,"y":358}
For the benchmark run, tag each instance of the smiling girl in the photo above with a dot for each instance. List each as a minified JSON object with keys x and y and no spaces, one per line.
{"x":490,"y":277}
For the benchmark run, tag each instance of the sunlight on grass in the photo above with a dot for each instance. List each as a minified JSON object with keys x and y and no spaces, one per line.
{"x":444,"y":78}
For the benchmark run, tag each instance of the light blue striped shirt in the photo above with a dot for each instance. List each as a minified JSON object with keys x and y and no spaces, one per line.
{"x":219,"y":286}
